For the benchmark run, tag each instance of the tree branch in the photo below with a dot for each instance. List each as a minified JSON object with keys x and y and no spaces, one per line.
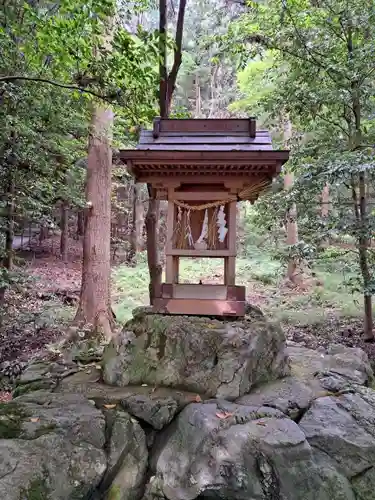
{"x":11,"y":78}
{"x":172,"y":77}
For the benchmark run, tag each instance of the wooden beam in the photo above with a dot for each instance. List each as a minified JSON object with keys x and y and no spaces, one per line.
{"x":230,"y":271}
{"x":156,"y":128}
{"x":201,"y":253}
{"x":172,"y":269}
{"x":212,"y":156}
{"x":170,"y":224}
{"x":199,"y":307}
{"x":201,"y":196}
{"x":204,"y":125}
{"x":232,"y":226}
{"x":252,"y":128}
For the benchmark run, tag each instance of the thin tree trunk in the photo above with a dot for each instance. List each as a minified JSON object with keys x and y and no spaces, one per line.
{"x":163,"y":72}
{"x":293,"y":271}
{"x":325,"y":201}
{"x":360,"y":211}
{"x":154,"y":266}
{"x":167,"y":86}
{"x":198,"y":104}
{"x":80,"y":222}
{"x":134,"y":236}
{"x":291,"y":231}
{"x":7,"y":261}
{"x":177,"y":58}
{"x":64,"y":228}
{"x":95,"y":306}
{"x":139,"y":219}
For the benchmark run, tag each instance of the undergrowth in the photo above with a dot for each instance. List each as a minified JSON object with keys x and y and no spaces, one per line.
{"x":326,"y":293}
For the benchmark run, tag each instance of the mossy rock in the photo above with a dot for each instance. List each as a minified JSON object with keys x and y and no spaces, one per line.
{"x":114,"y":493}
{"x":37,"y":385}
{"x":209,"y":356}
{"x":37,"y":490}
{"x":12,"y":416}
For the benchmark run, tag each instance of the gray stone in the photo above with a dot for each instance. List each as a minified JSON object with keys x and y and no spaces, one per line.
{"x":208,"y":356}
{"x":226,"y":451}
{"x":329,"y":427}
{"x":60,"y":447}
{"x":364,"y":485}
{"x":290,"y":395}
{"x":128,"y":459}
{"x":346,"y":364}
{"x":155,"y":406}
{"x":158,"y":412}
{"x":314,"y":375}
{"x":50,"y":447}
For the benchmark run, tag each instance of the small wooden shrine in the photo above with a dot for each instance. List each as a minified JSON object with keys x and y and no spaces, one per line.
{"x":203,"y":167}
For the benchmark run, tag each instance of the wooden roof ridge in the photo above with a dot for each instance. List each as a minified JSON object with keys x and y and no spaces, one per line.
{"x":209,"y":126}
{"x":205,"y":141}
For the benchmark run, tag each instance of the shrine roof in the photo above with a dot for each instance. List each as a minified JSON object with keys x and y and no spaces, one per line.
{"x":198,"y":142}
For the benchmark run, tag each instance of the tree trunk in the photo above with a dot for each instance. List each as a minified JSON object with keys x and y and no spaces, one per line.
{"x":293,"y":271}
{"x":198,"y":103}
{"x":154,"y":266}
{"x":7,"y":261}
{"x":80,"y":223}
{"x":177,"y":57}
{"x":360,"y":212}
{"x":363,"y":241}
{"x":139,"y":220}
{"x":167,"y":86}
{"x":291,"y":231}
{"x":163,"y":73}
{"x":325,"y":201}
{"x":95,"y":305}
{"x":64,"y":228}
{"x":136,"y":226}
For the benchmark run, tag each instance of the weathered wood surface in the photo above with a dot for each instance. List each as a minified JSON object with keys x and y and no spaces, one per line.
{"x":209,"y":155}
{"x":147,"y":137}
{"x":204,"y":125}
{"x":200,"y":307}
{"x":205,"y":291}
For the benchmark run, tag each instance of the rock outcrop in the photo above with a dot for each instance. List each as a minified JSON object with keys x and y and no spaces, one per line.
{"x":60,"y":447}
{"x":223,"y":359}
{"x":307,"y":435}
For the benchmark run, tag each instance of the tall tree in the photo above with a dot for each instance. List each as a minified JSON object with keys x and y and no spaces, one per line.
{"x":166,"y":89}
{"x":95,"y":302}
{"x":324,"y":54}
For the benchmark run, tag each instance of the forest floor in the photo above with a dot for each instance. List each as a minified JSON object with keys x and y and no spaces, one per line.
{"x":320,"y":312}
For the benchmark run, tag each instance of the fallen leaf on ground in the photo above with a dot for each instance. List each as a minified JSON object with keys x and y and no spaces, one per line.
{"x":34,"y":419}
{"x":224,"y":415}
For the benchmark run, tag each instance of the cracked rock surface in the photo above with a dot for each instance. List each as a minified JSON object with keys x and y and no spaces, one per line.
{"x":218,"y":358}
{"x":262,"y":421}
{"x":60,"y":447}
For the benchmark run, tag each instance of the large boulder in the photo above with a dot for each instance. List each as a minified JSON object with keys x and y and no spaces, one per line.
{"x":60,"y":447}
{"x":314,"y":374}
{"x":221,"y":450}
{"x":212,"y":357}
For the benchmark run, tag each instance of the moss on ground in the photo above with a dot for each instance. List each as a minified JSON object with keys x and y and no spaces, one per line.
{"x":12,"y":416}
{"x":36,"y":490}
{"x":37,"y":385}
{"x":114,"y":493}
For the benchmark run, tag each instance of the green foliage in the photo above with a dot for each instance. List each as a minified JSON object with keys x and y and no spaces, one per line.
{"x":36,"y":490}
{"x":57,"y":59}
{"x":308,"y":67}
